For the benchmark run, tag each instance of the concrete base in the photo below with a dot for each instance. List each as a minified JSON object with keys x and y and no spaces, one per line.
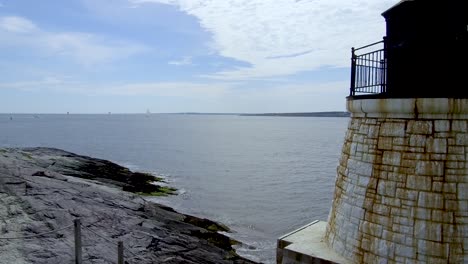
{"x":307,"y":245}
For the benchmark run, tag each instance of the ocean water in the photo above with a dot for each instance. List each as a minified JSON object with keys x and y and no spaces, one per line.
{"x":261,"y":176}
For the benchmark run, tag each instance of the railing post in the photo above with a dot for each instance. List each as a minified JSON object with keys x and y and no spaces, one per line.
{"x":120,"y":255}
{"x":78,"y":255}
{"x":353,"y":72}
{"x":384,"y":85}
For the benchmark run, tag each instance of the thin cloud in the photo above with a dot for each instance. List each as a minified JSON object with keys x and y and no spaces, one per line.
{"x":173,"y":89}
{"x":83,"y":48}
{"x":184,"y":61}
{"x":291,"y":55}
{"x":17,"y":24}
{"x":254,"y":31}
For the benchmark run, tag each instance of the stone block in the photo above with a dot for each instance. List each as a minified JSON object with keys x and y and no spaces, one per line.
{"x":459,"y":126}
{"x":432,"y":248}
{"x":419,"y":182}
{"x":360,"y":168}
{"x":431,"y":200}
{"x":399,"y":177}
{"x":416,"y":149}
{"x":441,"y":125}
{"x":371,"y":121}
{"x":359,"y":147}
{"x":355,"y":123}
{"x":384,"y":249}
{"x":461,"y":139}
{"x":399,"y":148}
{"x":451,"y":205}
{"x":443,"y":135}
{"x":462,"y":191}
{"x":430,"y":168}
{"x":400,"y":141}
{"x":455,"y":176}
{"x":370,"y":142}
{"x":351,"y":150}
{"x":369,"y":258}
{"x":405,"y":251}
{"x":422,"y":214}
{"x":392,"y":158}
{"x":363,"y":181}
{"x":426,"y":230}
{"x":438,"y":215}
{"x":406,"y":194}
{"x":393,"y":237}
{"x":408,"y":163}
{"x":386,"y":188}
{"x":404,"y":229}
{"x":408,"y":203}
{"x":417,"y":141}
{"x":404,"y":221}
{"x":369,"y":158}
{"x":399,"y":212}
{"x":438,"y":157}
{"x":358,"y":138}
{"x":420,"y":127}
{"x":365,"y":244}
{"x":372,"y":229}
{"x":373,"y":132}
{"x":392,"y":129}
{"x":456,"y":150}
{"x":384,"y":143}
{"x":415,"y":156}
{"x":437,"y":186}
{"x":455,"y":164}
{"x":363,"y":129}
{"x":381,"y":209}
{"x":456,"y":157}
{"x":436,"y":260}
{"x":463,"y":207}
{"x":436,"y":145}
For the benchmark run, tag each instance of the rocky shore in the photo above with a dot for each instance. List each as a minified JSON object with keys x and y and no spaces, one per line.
{"x":42,"y":191}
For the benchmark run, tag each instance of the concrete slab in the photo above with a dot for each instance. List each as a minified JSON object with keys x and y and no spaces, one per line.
{"x":307,"y":245}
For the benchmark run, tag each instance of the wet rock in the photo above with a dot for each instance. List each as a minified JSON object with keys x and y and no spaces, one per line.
{"x":43,"y":190}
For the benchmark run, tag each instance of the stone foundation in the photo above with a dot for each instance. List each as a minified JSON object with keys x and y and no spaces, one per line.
{"x":401,"y":193}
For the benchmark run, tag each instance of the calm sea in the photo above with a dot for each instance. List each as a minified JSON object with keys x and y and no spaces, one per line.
{"x":261,"y":176}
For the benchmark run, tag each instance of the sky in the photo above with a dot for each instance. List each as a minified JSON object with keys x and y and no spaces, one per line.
{"x":170,"y":56}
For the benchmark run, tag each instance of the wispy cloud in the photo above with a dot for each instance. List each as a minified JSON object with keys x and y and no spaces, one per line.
{"x":291,"y":55}
{"x":315,"y":33}
{"x":17,"y":24}
{"x":184,"y":61}
{"x":173,"y":89}
{"x":83,"y":48}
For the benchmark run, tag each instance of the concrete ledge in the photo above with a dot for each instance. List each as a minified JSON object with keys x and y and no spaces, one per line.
{"x":307,"y":245}
{"x":414,"y":108}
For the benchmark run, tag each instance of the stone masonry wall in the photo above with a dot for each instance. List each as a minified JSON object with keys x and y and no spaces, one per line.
{"x":401,"y":192}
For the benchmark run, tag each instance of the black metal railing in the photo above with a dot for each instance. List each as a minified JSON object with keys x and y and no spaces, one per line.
{"x":369,"y":70}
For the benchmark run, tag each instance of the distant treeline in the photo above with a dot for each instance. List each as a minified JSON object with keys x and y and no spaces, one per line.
{"x":312,"y":114}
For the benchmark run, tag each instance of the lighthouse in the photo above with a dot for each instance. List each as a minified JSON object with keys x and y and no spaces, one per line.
{"x":401,"y":188}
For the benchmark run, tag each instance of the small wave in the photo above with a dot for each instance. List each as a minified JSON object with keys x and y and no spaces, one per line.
{"x":130,"y":166}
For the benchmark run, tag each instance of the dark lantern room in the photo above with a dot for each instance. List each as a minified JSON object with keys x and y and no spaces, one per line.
{"x":424,"y":54}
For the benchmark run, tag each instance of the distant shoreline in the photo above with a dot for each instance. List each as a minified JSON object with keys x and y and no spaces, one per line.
{"x":297,"y":114}
{"x":306,"y":114}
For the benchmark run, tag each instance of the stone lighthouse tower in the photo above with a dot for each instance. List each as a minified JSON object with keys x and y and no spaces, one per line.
{"x":401,"y":192}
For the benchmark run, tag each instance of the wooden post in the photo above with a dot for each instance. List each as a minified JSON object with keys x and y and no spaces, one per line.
{"x":120,"y":253}
{"x":77,"y":241}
